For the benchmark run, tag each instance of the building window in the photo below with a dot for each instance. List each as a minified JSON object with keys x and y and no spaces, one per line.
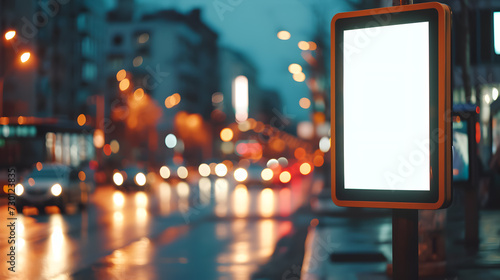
{"x":89,"y":72}
{"x":116,"y":61}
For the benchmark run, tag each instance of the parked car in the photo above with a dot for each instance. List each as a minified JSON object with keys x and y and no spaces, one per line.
{"x":131,"y":178}
{"x":53,"y":184}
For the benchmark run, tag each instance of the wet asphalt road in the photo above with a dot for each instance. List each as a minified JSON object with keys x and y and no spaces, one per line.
{"x":205,"y":229}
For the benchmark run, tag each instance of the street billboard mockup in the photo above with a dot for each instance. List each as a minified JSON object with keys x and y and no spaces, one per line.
{"x":391,"y":107}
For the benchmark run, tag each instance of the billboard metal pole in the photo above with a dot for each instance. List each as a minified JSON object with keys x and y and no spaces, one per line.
{"x":404,"y":230}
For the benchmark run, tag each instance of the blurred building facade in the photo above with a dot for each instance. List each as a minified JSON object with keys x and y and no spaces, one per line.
{"x":172,"y":57}
{"x":263,"y":103}
{"x":44,"y":95}
{"x":165,"y":52}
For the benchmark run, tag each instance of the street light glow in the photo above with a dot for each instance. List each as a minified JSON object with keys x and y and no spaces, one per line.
{"x":226,"y":134}
{"x":305,"y":103}
{"x":138,"y":94}
{"x":25,"y":57}
{"x":299,"y":77}
{"x":312,"y":46}
{"x":81,"y":119}
{"x":294,"y":68}
{"x":284,"y":35}
{"x":303,"y":45}
{"x":124,"y":84}
{"x":240,"y":98}
{"x":9,"y":35}
{"x":122,"y":74}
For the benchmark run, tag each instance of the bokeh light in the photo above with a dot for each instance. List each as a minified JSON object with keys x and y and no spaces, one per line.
{"x":122,"y":74}
{"x":140,"y":179}
{"x":25,"y":57}
{"x":305,"y":103}
{"x":284,"y":35}
{"x":138,"y":94}
{"x":324,"y":144}
{"x":267,"y":174}
{"x":299,"y":77}
{"x":115,"y":146}
{"x":204,"y":170}
{"x":221,"y":170}
{"x":285,"y":177}
{"x":170,"y":141}
{"x":312,"y":46}
{"x":305,"y":168}
{"x":182,"y":172}
{"x":294,"y":68}
{"x":9,"y":35}
{"x":164,"y":172}
{"x":81,"y":120}
{"x":303,"y":45}
{"x":240,"y":174}
{"x":124,"y":84}
{"x":226,"y":134}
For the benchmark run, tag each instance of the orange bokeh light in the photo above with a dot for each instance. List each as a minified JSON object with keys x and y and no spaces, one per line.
{"x":81,"y":176}
{"x":81,"y":120}
{"x":305,"y":168}
{"x":299,"y":153}
{"x":318,"y":161}
{"x":122,"y":74}
{"x":124,"y":84}
{"x":226,"y":134}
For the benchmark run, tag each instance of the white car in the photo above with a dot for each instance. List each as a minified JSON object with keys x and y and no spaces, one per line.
{"x":53,"y":184}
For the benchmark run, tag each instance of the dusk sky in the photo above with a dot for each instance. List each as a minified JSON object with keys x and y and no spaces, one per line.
{"x":251,"y":27}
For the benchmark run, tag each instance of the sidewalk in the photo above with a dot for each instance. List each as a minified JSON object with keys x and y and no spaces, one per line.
{"x":356,"y":244}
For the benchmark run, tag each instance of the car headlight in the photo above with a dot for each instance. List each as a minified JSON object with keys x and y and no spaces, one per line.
{"x":118,"y":178}
{"x":56,"y":189}
{"x":140,"y":179}
{"x":19,"y":189}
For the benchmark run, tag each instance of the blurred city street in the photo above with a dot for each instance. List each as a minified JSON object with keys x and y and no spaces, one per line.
{"x":177,"y":231}
{"x":194,"y":139}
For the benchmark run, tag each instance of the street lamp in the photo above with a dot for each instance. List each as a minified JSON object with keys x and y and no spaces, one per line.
{"x":9,"y":36}
{"x":25,"y":57}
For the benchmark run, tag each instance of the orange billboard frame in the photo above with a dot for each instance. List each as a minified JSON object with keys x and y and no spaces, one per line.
{"x":440,"y":187}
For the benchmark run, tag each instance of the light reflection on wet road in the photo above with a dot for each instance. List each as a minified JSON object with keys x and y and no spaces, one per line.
{"x":210,"y":229}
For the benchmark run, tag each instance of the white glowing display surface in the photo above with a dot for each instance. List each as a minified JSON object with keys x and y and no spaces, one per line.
{"x":386,"y":107}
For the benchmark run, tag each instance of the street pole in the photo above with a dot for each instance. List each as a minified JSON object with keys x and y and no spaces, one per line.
{"x":404,"y":230}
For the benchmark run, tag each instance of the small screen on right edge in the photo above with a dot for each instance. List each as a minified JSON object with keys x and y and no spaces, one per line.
{"x":495,"y":133}
{"x":460,"y":150}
